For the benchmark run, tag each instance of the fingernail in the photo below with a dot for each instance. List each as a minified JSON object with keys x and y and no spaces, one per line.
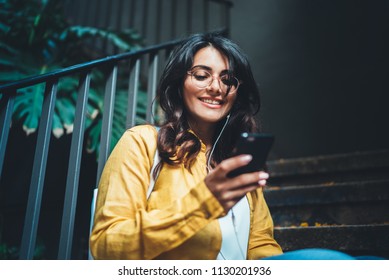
{"x":263,"y":175}
{"x":247,"y":158}
{"x":262,"y":182}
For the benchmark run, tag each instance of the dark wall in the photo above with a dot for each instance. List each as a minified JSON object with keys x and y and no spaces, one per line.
{"x":322,"y":67}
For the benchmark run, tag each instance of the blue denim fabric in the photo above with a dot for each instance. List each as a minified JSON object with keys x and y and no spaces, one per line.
{"x":313,"y":254}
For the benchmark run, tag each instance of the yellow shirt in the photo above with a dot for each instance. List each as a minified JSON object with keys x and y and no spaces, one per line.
{"x":178,"y":221}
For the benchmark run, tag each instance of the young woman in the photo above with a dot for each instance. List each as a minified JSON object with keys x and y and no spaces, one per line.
{"x":195,"y":211}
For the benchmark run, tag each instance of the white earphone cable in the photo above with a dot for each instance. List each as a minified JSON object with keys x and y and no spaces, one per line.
{"x":217,"y":139}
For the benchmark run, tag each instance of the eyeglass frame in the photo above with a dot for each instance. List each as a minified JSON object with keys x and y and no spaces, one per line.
{"x":191,"y":72}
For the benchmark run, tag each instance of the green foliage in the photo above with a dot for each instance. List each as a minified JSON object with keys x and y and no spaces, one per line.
{"x":8,"y":252}
{"x":35,"y":38}
{"x":12,"y":252}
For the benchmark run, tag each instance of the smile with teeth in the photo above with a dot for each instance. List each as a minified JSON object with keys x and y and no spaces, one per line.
{"x":211,"y":101}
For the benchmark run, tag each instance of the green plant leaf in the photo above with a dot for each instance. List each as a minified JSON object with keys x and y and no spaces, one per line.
{"x":125,"y":40}
{"x":28,"y":106}
{"x":58,"y":129}
{"x":35,"y":38}
{"x":11,"y":76}
{"x":65,"y":111}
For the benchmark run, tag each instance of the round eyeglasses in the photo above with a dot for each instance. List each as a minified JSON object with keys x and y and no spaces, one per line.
{"x":203,"y":79}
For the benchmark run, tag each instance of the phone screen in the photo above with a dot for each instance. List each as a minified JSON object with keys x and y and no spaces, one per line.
{"x":258,"y":145}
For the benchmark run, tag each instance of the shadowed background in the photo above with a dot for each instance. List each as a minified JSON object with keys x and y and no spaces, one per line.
{"x":322,"y":67}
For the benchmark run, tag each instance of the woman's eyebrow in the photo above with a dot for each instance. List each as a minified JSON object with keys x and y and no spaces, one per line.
{"x":202,"y":67}
{"x":205,"y":67}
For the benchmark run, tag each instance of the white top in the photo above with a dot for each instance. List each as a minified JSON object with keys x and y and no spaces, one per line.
{"x":235,"y":228}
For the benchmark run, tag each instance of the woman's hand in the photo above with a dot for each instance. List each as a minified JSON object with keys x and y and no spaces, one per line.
{"x":228,"y":191}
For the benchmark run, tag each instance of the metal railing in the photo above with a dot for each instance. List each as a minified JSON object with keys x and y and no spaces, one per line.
{"x":8,"y":93}
{"x":149,"y":59}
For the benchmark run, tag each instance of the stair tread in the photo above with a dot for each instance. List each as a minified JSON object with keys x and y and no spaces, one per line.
{"x":346,"y":197}
{"x":331,"y":192}
{"x":348,"y":162}
{"x":338,"y":237}
{"x":335,"y":227}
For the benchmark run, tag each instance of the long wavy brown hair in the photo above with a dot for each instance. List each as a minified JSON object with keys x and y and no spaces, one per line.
{"x":176,"y":145}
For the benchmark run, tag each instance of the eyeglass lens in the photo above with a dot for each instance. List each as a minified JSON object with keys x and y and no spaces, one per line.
{"x":203,"y":79}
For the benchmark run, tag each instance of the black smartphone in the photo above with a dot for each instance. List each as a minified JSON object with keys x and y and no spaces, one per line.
{"x":256,"y":144}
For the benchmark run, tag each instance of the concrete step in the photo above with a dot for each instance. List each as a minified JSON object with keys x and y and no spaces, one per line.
{"x":367,"y":165}
{"x":331,"y":203}
{"x":351,"y":239}
{"x":338,"y":202}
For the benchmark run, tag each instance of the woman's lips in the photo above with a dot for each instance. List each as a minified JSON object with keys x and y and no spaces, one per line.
{"x":211,"y":101}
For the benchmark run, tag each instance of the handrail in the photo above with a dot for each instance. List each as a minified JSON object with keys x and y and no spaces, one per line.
{"x":50,"y":80}
{"x":87,"y":66}
{"x":84,"y":67}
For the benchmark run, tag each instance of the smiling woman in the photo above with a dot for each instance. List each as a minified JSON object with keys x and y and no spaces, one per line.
{"x":195,"y":211}
{"x":207,"y":99}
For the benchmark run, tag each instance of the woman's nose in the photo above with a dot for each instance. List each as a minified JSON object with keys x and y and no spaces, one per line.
{"x":215,"y":85}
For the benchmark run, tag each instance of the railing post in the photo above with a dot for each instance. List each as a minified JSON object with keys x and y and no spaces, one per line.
{"x":38,"y":173}
{"x":152,"y":86}
{"x":106,"y":127}
{"x":71,"y":191}
{"x":106,"y":131}
{"x":6,"y":107}
{"x":133,"y":88}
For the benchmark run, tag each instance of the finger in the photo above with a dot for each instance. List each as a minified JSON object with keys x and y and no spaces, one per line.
{"x":247,"y":179}
{"x":262,"y":182}
{"x":237,"y":193}
{"x":229,"y":199}
{"x":233,"y":163}
{"x":263,"y":175}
